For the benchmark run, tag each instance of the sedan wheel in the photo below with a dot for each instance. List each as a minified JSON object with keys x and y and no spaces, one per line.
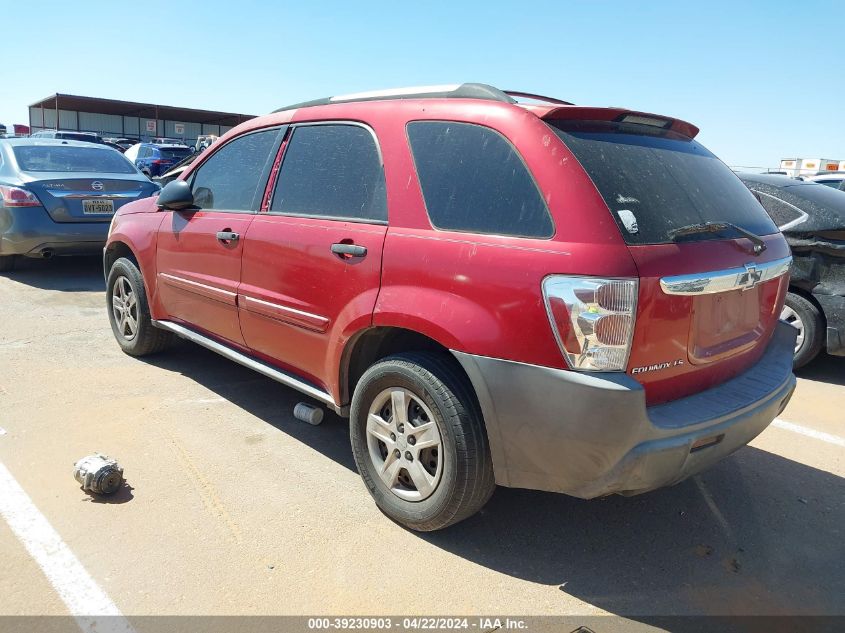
{"x":791,"y":316}
{"x":804,"y":316}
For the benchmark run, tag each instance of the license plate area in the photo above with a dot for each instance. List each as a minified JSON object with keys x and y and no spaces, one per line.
{"x":98,"y":207}
{"x":725,"y":324}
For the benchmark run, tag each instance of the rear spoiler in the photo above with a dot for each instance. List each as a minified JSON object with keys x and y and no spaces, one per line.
{"x":582,"y":113}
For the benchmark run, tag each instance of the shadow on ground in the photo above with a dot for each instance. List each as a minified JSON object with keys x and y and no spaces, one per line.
{"x":756,"y":534}
{"x":825,"y":368}
{"x":67,"y":274}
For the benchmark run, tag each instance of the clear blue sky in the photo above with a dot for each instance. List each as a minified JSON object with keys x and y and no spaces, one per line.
{"x":763,"y":80}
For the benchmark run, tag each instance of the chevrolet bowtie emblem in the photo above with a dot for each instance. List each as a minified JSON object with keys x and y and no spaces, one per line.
{"x":750,"y":278}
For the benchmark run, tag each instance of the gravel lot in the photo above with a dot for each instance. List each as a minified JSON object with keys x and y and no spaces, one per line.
{"x":234,"y":507}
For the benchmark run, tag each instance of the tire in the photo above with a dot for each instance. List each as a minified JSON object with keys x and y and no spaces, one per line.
{"x":459,"y":468}
{"x":803,"y":314}
{"x":7,"y":263}
{"x":125,"y":294}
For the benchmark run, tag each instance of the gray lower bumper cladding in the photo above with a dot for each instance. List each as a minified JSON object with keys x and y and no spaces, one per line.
{"x":590,"y":435}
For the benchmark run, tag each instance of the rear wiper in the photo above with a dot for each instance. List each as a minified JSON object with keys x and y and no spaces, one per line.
{"x":718,"y":227}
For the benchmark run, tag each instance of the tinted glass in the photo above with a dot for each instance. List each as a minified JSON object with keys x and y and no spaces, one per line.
{"x":331,"y":171}
{"x":655,"y":181}
{"x":824,"y":206}
{"x":174,"y":153}
{"x":70,"y":136}
{"x":71,"y":159}
{"x":472,"y":179}
{"x":230,"y":179}
{"x":781,"y":212}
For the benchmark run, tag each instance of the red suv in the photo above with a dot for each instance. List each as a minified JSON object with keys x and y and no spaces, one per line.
{"x":574,"y":299}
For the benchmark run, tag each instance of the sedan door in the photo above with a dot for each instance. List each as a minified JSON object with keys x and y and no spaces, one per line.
{"x":312,"y":262}
{"x":199,"y":250}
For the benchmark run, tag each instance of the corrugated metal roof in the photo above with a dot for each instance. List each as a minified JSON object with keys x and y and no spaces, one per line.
{"x":135,"y":109}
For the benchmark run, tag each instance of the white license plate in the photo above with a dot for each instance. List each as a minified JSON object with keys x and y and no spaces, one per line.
{"x":98,"y":207}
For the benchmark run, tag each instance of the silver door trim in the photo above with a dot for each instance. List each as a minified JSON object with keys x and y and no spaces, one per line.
{"x":209,"y":292}
{"x":740,"y":278}
{"x":247,"y":361}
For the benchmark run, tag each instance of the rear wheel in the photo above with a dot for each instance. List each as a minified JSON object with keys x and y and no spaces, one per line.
{"x":129,"y":312}
{"x":419,"y":441}
{"x":7,"y":263}
{"x":803,"y":315}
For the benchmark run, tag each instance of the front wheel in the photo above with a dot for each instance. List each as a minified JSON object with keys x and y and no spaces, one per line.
{"x":419,"y":441}
{"x":129,"y":312}
{"x":804,"y":316}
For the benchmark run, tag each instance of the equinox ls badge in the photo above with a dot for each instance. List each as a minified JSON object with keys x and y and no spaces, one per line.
{"x":657,"y":366}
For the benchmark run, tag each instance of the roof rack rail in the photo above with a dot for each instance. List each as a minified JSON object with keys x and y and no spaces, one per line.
{"x":529,"y":95}
{"x":449,"y":91}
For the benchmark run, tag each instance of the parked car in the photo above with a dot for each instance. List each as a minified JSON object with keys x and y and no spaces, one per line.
{"x":153,"y":160}
{"x":175,"y":171}
{"x":119,"y":148}
{"x":161,"y":140}
{"x":812,"y":217}
{"x":124,"y":143}
{"x":830,"y":178}
{"x":68,"y":135}
{"x":205,"y":141}
{"x":58,"y":197}
{"x":573,"y":299}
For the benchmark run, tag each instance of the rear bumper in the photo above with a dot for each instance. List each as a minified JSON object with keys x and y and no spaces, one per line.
{"x":30,"y":231}
{"x":590,"y":435}
{"x":833,"y":307}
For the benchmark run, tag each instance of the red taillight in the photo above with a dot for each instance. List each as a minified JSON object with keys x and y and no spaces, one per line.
{"x":592,"y":319}
{"x":17,"y":197}
{"x":158,"y":161}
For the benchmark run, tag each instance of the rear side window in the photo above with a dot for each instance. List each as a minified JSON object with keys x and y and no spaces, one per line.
{"x":332,"y":171}
{"x":229,"y":180}
{"x":783,"y":213}
{"x":71,"y":158}
{"x":473,"y":180}
{"x":655,"y":181}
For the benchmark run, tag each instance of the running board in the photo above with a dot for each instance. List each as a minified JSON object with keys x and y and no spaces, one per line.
{"x":247,"y":361}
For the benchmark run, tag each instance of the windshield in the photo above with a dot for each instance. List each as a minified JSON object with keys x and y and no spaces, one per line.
{"x":72,"y":159}
{"x":655,"y":181}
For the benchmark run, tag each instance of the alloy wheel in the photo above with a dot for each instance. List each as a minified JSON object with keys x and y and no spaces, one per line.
{"x":791,"y":316}
{"x":404,"y":444}
{"x":125,"y":308}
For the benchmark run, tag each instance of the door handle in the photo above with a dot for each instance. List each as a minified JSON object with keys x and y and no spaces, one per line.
{"x":227,"y":237}
{"x":347,"y":251}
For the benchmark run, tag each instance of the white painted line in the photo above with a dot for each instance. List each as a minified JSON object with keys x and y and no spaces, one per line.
{"x":708,"y":498}
{"x":81,"y":594}
{"x":803,"y":430}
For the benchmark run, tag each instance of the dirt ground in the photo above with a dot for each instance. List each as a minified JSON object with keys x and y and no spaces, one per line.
{"x":234,"y":507}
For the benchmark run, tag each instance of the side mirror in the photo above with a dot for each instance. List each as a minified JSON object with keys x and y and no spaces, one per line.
{"x":176,"y":196}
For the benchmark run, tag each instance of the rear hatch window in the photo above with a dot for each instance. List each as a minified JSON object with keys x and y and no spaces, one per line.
{"x":655,"y":181}
{"x":57,"y":158}
{"x":174,"y":153}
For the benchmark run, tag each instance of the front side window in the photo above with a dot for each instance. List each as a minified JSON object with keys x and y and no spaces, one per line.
{"x":473,"y":180}
{"x":332,"y":171}
{"x":231,"y":178}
